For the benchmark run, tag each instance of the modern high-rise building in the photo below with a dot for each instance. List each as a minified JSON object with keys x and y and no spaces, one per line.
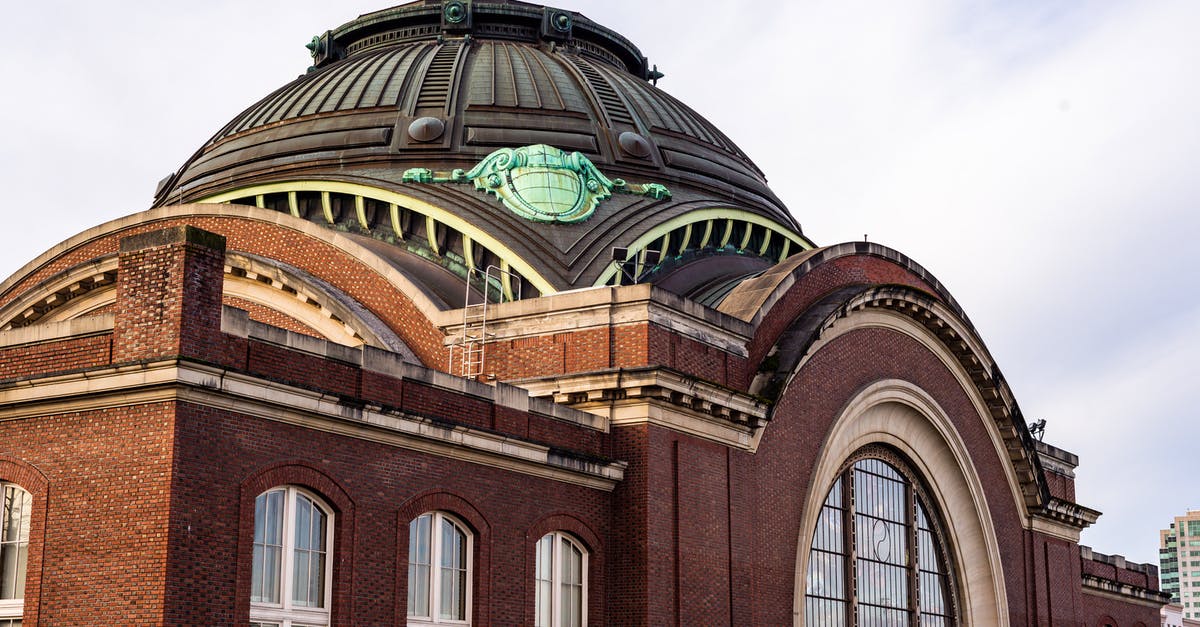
{"x":1179,"y":562}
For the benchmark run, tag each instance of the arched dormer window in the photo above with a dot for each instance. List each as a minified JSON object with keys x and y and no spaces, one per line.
{"x":877,"y":555}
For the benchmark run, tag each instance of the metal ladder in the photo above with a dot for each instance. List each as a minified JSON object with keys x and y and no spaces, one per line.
{"x":467,"y":351}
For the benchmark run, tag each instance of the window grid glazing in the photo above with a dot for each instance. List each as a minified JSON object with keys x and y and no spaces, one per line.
{"x":876,"y":558}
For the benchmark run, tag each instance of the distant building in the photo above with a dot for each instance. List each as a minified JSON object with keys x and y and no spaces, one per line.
{"x":1179,"y":562}
{"x":1172,"y":616}
{"x":472,"y":325}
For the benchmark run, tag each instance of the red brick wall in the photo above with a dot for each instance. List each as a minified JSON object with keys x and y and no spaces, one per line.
{"x":270,"y":240}
{"x":54,"y":356}
{"x":811,"y":287}
{"x":266,"y":315}
{"x":793,"y":440}
{"x":623,"y":346}
{"x":222,"y":455}
{"x":103,"y":529}
{"x":1060,"y":486}
{"x":167,"y":280}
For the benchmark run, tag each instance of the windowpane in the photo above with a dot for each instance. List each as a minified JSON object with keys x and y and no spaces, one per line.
{"x":438,"y":569}
{"x":418,"y":590}
{"x":268,"y":547}
{"x":453,"y":572}
{"x":560,"y":586}
{"x":14,"y":541}
{"x":290,"y":567}
{"x":824,"y":613}
{"x":898,"y":560}
{"x":308,"y":578}
{"x":543,"y":591}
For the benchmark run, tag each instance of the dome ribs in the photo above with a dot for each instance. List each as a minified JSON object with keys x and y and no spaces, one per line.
{"x":348,"y":125}
{"x":394,"y":62}
{"x":403,"y":88}
{"x":327,"y":98}
{"x":351,"y":92}
{"x":523,"y":83}
{"x":542,"y":79}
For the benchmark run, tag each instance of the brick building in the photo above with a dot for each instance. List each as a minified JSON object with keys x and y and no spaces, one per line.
{"x":473,"y":325}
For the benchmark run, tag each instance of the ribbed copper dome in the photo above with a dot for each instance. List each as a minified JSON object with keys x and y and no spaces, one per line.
{"x":440,"y":86}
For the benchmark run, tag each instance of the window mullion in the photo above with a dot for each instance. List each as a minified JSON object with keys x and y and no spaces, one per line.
{"x":914,"y":564}
{"x":850,"y":571}
{"x":555,"y":581}
{"x":289,"y":546}
{"x":435,"y":567}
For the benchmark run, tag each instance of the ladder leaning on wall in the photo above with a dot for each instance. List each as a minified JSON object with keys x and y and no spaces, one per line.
{"x":467,"y":351}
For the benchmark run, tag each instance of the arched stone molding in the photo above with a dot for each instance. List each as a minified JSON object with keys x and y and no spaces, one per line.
{"x":954,"y":342}
{"x":899,"y":414}
{"x":86,"y":263}
{"x":271,"y":284}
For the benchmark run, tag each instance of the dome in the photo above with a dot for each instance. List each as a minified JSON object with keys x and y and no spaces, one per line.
{"x":456,"y":136}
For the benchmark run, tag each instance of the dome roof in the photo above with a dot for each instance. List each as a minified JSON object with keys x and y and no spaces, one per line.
{"x":470,"y":134}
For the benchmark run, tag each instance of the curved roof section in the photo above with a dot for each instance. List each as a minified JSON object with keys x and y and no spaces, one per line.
{"x":410,"y":87}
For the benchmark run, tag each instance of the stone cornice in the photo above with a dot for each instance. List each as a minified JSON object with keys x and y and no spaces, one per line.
{"x":605,"y":307}
{"x":175,"y":380}
{"x":1124,"y":592}
{"x":659,"y":396}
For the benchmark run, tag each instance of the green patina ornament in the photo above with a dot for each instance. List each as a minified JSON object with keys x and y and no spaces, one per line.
{"x":541,"y":183}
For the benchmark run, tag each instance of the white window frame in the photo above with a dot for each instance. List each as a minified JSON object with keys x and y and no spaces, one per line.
{"x":284,"y":614}
{"x":556,"y":540}
{"x":14,"y":609}
{"x":435,"y":571}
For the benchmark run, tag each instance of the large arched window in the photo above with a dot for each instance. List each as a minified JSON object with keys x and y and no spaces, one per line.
{"x":439,"y":570}
{"x":14,"y":552}
{"x":291,"y":580}
{"x":877,"y":557}
{"x":560,"y":577}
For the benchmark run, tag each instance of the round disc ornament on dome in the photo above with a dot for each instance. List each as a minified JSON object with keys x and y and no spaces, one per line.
{"x":455,"y":12}
{"x":634,"y":144}
{"x":426,"y":129}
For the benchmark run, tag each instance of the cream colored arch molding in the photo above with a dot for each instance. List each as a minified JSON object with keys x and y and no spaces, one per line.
{"x":896,"y":314}
{"x":306,"y":299}
{"x":901,"y":415}
{"x":715,"y":227}
{"x":432,"y":213}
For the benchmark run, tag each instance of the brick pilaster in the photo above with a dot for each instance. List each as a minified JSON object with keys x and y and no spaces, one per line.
{"x":169,"y":285}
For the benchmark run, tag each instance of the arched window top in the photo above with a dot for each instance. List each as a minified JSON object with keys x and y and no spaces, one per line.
{"x":292,"y":573}
{"x":877,"y":555}
{"x":560,"y":581}
{"x":440,"y":551}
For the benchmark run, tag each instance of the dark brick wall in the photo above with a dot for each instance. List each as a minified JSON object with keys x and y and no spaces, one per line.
{"x":793,"y":441}
{"x":224,"y":460}
{"x":101,"y":485}
{"x":55,"y":356}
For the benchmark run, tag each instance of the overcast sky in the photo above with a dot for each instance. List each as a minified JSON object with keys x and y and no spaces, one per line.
{"x":1039,"y":157}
